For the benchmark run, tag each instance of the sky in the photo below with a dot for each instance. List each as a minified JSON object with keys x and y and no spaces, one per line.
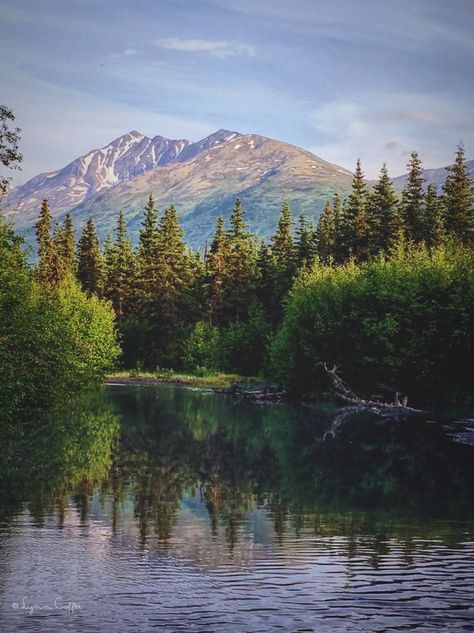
{"x":345,"y":79}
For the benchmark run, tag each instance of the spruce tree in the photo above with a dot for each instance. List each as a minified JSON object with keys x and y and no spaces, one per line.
{"x":304,"y":243}
{"x":239,"y":285}
{"x":59,"y":271}
{"x":216,"y":270}
{"x":282,"y":248}
{"x":383,"y":220}
{"x":432,"y":218}
{"x":147,"y":259}
{"x":458,"y":200}
{"x":354,"y":219}
{"x":119,"y":271}
{"x":338,"y":229}
{"x":171,"y":308}
{"x":48,"y":264}
{"x":148,"y":236}
{"x":412,"y":200}
{"x":266,"y":278}
{"x":219,"y":235}
{"x":238,"y":226}
{"x":89,"y":260}
{"x":66,"y":246}
{"x":326,"y":234}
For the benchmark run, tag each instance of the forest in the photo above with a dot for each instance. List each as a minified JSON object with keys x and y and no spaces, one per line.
{"x":383,"y":286}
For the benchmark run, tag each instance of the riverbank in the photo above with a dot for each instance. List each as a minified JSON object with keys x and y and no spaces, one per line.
{"x":211,"y":381}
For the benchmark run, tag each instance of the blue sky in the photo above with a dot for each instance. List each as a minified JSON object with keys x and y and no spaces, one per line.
{"x":345,"y":79}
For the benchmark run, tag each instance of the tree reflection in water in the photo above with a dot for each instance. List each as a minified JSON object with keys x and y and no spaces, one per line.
{"x":154,"y":447}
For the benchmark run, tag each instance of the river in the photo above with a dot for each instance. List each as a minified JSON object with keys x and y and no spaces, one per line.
{"x":171,"y":509}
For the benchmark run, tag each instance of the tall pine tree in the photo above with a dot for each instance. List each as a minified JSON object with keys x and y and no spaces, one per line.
{"x":120,"y":271}
{"x":383,"y":219}
{"x":48,"y":265}
{"x":412,"y":201}
{"x":354,"y":219}
{"x":459,"y":200}
{"x":432,"y":218}
{"x":304,"y":243}
{"x":326,"y":234}
{"x":89,"y":260}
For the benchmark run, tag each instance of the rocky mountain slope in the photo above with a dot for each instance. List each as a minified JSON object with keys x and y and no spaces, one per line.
{"x":201,"y":179}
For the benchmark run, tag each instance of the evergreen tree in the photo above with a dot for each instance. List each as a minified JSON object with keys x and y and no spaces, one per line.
{"x":282,"y":240}
{"x":68,"y":244}
{"x":216,"y":269}
{"x":238,"y":226}
{"x":383,"y":220}
{"x":326,"y":234}
{"x":304,"y":243}
{"x":283,"y":258}
{"x":59,"y":270}
{"x":266,"y":278}
{"x":412,"y":200}
{"x":354,"y":219}
{"x":119,"y":271}
{"x":47,"y":266}
{"x":147,"y":258}
{"x":170,"y":309}
{"x":338,"y":229}
{"x":459,"y":199}
{"x":148,"y":236}
{"x":432,"y":218}
{"x":239,"y":284}
{"x":89,"y":260}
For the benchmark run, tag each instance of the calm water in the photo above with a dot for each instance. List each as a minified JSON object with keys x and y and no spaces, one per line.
{"x":144,"y":509}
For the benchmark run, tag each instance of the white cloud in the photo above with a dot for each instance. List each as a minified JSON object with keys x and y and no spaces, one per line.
{"x":74,"y":122}
{"x":128,"y":52}
{"x":386,"y":127}
{"x":221,"y":49}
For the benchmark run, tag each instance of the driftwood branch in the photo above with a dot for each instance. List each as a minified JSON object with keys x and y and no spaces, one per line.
{"x":345,"y":393}
{"x":396,"y":409}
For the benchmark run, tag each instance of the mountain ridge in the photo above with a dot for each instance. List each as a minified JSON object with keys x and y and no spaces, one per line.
{"x":203,"y":177}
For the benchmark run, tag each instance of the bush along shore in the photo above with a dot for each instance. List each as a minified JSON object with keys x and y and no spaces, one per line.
{"x":382,"y":287}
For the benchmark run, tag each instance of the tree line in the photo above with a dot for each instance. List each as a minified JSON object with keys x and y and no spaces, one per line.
{"x":220,"y":309}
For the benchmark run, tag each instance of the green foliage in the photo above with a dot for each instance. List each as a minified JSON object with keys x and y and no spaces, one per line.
{"x":174,"y":307}
{"x":383,"y":219}
{"x":412,"y":200}
{"x":10,"y":155}
{"x":89,"y":260}
{"x":120,"y":271}
{"x":354,"y":231}
{"x":326,"y":234}
{"x":243,"y":346}
{"x":201,"y":348}
{"x":52,"y":340}
{"x":406,"y":320}
{"x":433,"y":221}
{"x":459,"y":200}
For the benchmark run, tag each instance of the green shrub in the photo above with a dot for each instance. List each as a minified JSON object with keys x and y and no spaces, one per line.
{"x":244,"y":346}
{"x":52,"y":341}
{"x":406,"y":320}
{"x":201,"y":348}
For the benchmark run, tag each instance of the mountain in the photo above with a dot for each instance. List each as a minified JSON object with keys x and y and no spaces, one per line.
{"x":201,"y":179}
{"x":433,"y":177}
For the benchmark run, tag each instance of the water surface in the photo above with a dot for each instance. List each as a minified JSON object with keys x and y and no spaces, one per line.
{"x":169,"y":509}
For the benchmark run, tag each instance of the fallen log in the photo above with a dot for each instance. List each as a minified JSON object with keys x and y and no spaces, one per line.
{"x":344,"y":392}
{"x":397,"y":409}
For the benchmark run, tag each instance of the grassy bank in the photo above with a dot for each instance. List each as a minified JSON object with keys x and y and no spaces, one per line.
{"x":210,"y":381}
